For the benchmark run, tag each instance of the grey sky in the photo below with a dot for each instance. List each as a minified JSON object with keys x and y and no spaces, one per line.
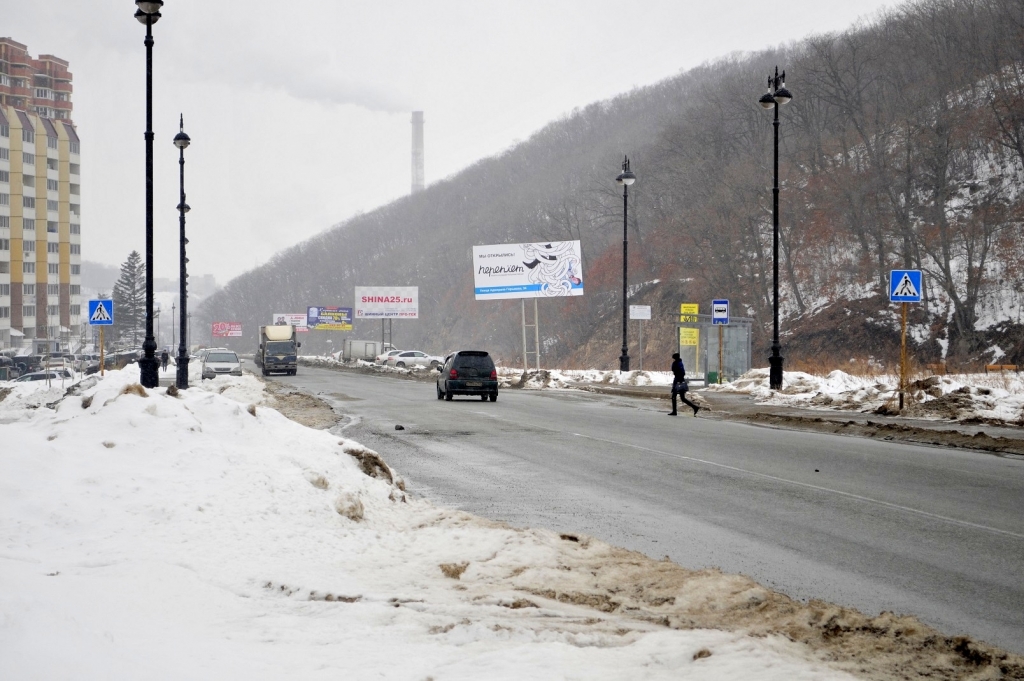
{"x":299,"y":111}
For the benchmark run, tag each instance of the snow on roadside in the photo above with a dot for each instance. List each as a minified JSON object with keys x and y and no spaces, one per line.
{"x":205,"y":536}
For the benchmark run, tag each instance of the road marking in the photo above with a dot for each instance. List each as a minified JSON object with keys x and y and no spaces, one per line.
{"x":849,"y":495}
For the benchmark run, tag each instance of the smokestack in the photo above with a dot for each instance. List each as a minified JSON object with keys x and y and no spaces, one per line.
{"x":417,"y":152}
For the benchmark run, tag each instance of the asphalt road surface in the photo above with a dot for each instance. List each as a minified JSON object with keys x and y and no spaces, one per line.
{"x":928,"y":531}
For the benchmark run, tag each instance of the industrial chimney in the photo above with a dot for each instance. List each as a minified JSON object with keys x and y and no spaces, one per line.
{"x":417,"y":152}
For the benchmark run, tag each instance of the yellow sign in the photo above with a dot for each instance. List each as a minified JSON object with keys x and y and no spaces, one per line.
{"x":688,"y":312}
{"x":689,"y":336}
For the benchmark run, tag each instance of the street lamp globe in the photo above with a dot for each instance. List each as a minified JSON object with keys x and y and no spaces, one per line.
{"x":181,"y":140}
{"x":149,"y":6}
{"x":626,"y":177}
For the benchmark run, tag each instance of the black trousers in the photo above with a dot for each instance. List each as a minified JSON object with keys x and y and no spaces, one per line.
{"x":681,"y":394}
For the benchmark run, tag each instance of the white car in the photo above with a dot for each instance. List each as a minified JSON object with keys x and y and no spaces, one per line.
{"x":383,"y":357}
{"x":407,"y":359}
{"x":221,"y":363}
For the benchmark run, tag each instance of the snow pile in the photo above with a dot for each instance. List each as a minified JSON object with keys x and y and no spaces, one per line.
{"x":997,"y":397}
{"x":571,"y":378}
{"x":145,"y":535}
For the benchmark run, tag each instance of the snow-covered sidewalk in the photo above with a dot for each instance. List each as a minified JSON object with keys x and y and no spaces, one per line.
{"x":205,"y":536}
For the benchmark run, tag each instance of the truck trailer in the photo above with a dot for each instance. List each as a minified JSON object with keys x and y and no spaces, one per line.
{"x":279,"y":350}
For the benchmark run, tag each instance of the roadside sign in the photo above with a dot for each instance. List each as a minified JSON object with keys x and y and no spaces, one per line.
{"x":719,"y":311}
{"x":101,"y":312}
{"x":905,"y":286}
{"x":688,"y":312}
{"x":639,"y":311}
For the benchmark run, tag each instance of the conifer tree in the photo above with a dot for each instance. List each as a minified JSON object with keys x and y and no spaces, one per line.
{"x":130,"y":300}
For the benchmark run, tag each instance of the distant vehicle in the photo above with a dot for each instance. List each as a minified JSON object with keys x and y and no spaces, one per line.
{"x":413,"y":358}
{"x":468,"y":372}
{"x":364,"y":350}
{"x":383,"y":357}
{"x":8,"y":371}
{"x":43,"y":375}
{"x":278,"y":350}
{"x":221,"y":363}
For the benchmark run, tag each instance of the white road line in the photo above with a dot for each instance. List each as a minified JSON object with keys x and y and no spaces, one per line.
{"x":848,"y":495}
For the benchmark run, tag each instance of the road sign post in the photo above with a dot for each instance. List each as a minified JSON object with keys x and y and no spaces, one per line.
{"x":640,"y":313}
{"x":101,"y":314}
{"x":905,"y":286}
{"x":720,"y":318}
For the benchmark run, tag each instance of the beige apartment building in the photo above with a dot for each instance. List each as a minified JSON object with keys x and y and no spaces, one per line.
{"x":40,"y":205}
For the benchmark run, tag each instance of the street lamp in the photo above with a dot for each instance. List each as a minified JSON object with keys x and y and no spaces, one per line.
{"x":148,"y":13}
{"x":776,"y":96}
{"x":181,"y":140}
{"x":625,"y":178}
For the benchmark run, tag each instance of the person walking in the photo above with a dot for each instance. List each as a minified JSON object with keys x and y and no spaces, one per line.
{"x":164,"y":359}
{"x":679,"y":385}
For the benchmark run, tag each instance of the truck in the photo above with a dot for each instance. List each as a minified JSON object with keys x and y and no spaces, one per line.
{"x":364,"y":350}
{"x":279,"y":349}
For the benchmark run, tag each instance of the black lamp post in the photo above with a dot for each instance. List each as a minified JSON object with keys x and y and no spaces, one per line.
{"x":776,"y":96}
{"x":148,"y":13}
{"x":625,"y":178}
{"x":181,"y":140}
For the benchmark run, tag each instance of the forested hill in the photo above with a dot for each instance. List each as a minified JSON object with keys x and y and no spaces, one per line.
{"x":903,"y":147}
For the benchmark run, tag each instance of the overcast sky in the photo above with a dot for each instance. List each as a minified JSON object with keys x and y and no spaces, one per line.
{"x":299,"y":111}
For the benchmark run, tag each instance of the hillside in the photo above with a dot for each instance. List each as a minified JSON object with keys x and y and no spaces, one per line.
{"x":902,"y":148}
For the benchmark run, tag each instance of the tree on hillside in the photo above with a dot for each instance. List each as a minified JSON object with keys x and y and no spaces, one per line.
{"x":130,"y":300}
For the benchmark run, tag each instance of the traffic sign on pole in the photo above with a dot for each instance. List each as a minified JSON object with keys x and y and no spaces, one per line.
{"x":905,"y":286}
{"x":719,"y":311}
{"x":101,"y":312}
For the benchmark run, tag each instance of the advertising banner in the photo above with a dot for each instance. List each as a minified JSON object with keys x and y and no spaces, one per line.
{"x":329,"y":318}
{"x":540,"y":270}
{"x":387,"y":302}
{"x":296,"y":319}
{"x":639,"y":311}
{"x":227,"y":329}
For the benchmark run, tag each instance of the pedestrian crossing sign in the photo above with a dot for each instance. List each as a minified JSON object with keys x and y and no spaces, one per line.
{"x":905,"y":286}
{"x":101,"y":312}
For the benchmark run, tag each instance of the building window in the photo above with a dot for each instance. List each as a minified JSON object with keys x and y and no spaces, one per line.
{"x":52,"y":310}
{"x":51,"y":185}
{"x":52,"y":247}
{"x":51,"y":142}
{"x":28,"y":136}
{"x":5,"y":244}
{"x":29,"y":224}
{"x":76,"y":310}
{"x":5,"y":130}
{"x":51,"y":163}
{"x":5,"y":199}
{"x":5,"y":222}
{"x":51,"y":226}
{"x":28,"y":310}
{"x":5,"y":153}
{"x":29,"y":180}
{"x":53,"y":289}
{"x":52,"y":268}
{"x":28,"y":289}
{"x":28,"y":246}
{"x":28,"y":201}
{"x":75,"y":209}
{"x":28,"y":267}
{"x":74,"y":190}
{"x":76,"y":269}
{"x":76,"y":249}
{"x":28,"y":159}
{"x":5,"y":312}
{"x":75,"y":229}
{"x":51,"y":205}
{"x":76,"y":169}
{"x":5,"y":289}
{"x":5,"y":267}
{"x":76,"y":290}
{"x":74,"y":147}
{"x":5,"y":176}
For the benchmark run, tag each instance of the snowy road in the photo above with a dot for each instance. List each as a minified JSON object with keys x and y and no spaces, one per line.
{"x":878,"y":526}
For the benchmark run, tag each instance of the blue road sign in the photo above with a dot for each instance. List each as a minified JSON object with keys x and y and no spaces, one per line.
{"x":719,"y":311}
{"x":101,"y":312}
{"x":905,"y":286}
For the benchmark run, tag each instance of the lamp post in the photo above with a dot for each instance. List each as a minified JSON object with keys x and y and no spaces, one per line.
{"x":189,"y":328}
{"x":173,"y":308}
{"x":181,"y":140}
{"x":776,"y":96}
{"x":625,"y":178}
{"x":148,"y":13}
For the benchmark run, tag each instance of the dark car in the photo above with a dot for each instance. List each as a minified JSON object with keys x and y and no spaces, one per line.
{"x":468,"y":372}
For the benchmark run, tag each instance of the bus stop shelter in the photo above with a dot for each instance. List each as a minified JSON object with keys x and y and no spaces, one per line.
{"x":698,"y":347}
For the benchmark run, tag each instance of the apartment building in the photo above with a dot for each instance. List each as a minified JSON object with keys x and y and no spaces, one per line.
{"x":40,"y":205}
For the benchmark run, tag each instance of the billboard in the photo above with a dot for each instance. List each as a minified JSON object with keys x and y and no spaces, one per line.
{"x":227,"y":330}
{"x":296,"y":319}
{"x":539,"y":270}
{"x":329,"y":318}
{"x":395,"y":302}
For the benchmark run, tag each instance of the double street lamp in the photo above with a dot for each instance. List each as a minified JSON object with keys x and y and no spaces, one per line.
{"x":148,"y":13}
{"x":776,"y":96}
{"x":181,"y":140}
{"x":625,"y":178}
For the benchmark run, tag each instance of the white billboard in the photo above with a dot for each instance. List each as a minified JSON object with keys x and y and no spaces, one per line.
{"x":296,"y":319}
{"x":639,"y":311}
{"x":387,"y":302}
{"x":541,"y":270}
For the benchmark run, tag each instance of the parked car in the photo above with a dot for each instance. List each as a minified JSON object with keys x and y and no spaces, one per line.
{"x":7,"y":369}
{"x":53,"y":375}
{"x":383,"y":357}
{"x":413,"y":358}
{"x":28,"y":363}
{"x":221,"y":363}
{"x":468,"y":372}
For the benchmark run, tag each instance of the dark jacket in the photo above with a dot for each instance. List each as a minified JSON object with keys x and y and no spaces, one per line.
{"x":678,"y":371}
